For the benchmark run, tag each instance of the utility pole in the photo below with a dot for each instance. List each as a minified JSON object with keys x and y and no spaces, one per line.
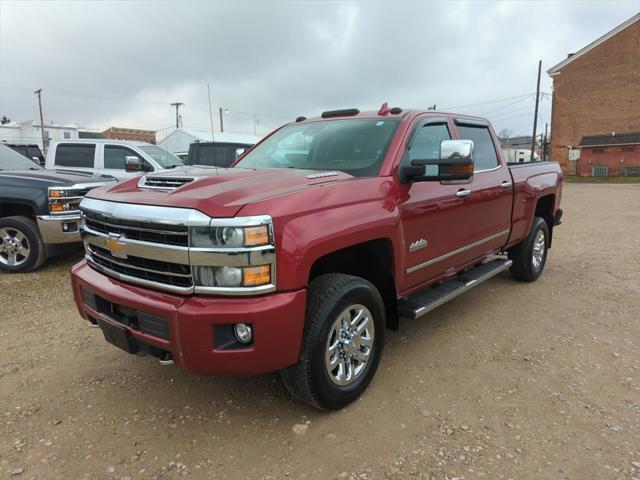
{"x":221,"y":122}
{"x":544,"y":145}
{"x":255,"y":125}
{"x":177,"y":105}
{"x":210,"y":113}
{"x":535,"y":118}
{"x":39,"y":94}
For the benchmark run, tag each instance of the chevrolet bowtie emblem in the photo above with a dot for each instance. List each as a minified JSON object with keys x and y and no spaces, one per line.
{"x":116,"y":246}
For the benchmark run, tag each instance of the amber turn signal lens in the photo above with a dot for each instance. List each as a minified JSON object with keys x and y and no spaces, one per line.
{"x":461,"y":169}
{"x":55,"y":193}
{"x":255,"y":236}
{"x":57,"y":207}
{"x":255,"y":276}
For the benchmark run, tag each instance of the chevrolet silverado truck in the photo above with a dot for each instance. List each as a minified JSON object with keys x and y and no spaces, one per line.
{"x":320,"y":237}
{"x":39,"y":211}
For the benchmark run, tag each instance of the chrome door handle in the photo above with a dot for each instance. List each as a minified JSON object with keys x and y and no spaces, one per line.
{"x":506,"y":184}
{"x":463,"y":193}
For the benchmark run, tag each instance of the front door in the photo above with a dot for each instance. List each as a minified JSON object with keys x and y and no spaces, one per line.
{"x":447,"y":225}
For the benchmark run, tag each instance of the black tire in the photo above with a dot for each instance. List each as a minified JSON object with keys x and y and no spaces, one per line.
{"x":328,"y":296}
{"x":32,"y":240}
{"x":524,"y":267}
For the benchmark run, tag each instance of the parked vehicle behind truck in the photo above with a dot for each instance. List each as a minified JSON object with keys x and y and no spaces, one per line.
{"x":297,"y":259}
{"x":121,"y":159}
{"x":39,"y":211}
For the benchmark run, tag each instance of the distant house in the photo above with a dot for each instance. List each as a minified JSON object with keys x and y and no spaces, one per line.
{"x":179,"y":139}
{"x":610,"y":155}
{"x":516,"y":142}
{"x":596,"y":91}
{"x":31,"y":133}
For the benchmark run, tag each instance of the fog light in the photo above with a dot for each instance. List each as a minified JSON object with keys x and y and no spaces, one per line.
{"x":243,"y":332}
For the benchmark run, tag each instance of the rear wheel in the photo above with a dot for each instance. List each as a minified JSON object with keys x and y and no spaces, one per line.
{"x":342,"y":342}
{"x":529,"y":257}
{"x":21,"y":248}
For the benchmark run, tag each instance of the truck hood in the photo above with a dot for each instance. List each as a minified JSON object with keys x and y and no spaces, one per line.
{"x":53,"y":178}
{"x":216,"y":192}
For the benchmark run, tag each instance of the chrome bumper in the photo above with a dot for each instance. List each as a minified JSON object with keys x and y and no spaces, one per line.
{"x":59,"y":229}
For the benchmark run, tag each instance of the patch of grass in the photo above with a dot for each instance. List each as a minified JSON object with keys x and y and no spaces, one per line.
{"x":576,"y":179}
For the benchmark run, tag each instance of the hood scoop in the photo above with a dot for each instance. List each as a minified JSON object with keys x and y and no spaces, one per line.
{"x":164,"y":183}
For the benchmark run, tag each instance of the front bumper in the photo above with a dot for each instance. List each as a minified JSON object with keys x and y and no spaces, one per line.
{"x":59,"y":229}
{"x":277,"y":321}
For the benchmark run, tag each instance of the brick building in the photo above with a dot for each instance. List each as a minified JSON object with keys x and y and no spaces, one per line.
{"x":610,"y":155}
{"x":596,"y":92}
{"x":116,"y":133}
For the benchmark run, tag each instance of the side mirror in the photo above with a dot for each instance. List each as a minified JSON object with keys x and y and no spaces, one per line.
{"x":134,"y":164}
{"x":455,"y":163}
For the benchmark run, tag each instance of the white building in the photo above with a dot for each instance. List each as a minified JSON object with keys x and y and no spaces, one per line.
{"x":178,"y":140}
{"x":30,"y":133}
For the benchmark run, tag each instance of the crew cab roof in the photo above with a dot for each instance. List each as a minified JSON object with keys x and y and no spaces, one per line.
{"x":406,"y":114}
{"x":85,"y":141}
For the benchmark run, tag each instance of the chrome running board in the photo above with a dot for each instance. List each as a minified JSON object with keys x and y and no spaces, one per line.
{"x":423,"y":302}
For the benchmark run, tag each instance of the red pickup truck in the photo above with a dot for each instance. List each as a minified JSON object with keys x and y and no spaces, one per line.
{"x":320,"y":237}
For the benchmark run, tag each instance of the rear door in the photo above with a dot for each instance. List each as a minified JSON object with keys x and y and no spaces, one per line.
{"x":76,"y":157}
{"x":490,"y":199}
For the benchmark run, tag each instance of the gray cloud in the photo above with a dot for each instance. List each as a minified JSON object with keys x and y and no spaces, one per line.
{"x":122,"y":63}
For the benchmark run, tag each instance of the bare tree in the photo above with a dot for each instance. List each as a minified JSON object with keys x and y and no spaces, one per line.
{"x":4,"y":120}
{"x":504,"y":134}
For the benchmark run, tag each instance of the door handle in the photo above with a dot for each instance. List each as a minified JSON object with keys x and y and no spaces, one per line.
{"x":463,"y":193}
{"x":506,"y":184}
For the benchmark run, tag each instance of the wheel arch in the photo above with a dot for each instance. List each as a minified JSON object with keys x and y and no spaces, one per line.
{"x":545,"y":206}
{"x":372,"y":260}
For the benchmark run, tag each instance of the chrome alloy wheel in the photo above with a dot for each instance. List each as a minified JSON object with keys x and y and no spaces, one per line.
{"x":539,"y":247}
{"x":349,"y":345}
{"x":14,"y":249}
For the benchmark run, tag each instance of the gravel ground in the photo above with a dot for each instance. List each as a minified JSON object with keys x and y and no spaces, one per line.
{"x":520,"y":381}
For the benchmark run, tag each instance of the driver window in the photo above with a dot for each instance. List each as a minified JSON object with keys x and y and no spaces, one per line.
{"x":114,"y":157}
{"x":426,"y":143}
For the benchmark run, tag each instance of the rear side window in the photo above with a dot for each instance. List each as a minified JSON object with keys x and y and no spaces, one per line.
{"x":114,"y":156}
{"x":214,"y":155}
{"x":485,"y":152}
{"x":75,"y":155}
{"x":426,"y":143}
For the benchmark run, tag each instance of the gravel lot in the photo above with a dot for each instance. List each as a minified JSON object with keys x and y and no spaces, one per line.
{"x":521,"y":381}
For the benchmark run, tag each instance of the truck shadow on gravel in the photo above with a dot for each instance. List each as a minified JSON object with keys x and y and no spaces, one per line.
{"x":173,"y":393}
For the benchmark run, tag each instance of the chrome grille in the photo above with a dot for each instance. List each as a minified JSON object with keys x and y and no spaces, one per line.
{"x":157,"y":271}
{"x":142,"y":231}
{"x":164,"y":183}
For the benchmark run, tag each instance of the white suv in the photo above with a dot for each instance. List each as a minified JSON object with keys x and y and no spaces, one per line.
{"x":117,"y":158}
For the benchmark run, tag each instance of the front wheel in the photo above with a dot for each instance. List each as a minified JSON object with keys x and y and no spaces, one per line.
{"x":21,"y":247}
{"x":529,"y":256}
{"x":342,"y":342}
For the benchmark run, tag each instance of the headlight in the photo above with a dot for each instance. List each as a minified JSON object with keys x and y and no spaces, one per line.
{"x":63,"y":200}
{"x":230,"y":237}
{"x":232,"y":276}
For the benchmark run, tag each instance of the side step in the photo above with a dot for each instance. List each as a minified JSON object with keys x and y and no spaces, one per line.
{"x":420,"y":303}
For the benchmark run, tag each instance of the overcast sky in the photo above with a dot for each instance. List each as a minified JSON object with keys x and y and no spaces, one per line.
{"x":122,"y":63}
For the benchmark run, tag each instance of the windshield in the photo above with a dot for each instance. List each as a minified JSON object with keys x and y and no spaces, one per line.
{"x":11,"y":160}
{"x":160,"y":155}
{"x":356,"y":147}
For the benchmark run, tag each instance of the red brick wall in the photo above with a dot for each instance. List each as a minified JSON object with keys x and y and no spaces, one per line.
{"x":615,"y":158}
{"x":596,"y":94}
{"x":130,"y":134}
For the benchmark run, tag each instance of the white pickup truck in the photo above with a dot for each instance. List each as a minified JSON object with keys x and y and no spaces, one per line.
{"x":117,"y":158}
